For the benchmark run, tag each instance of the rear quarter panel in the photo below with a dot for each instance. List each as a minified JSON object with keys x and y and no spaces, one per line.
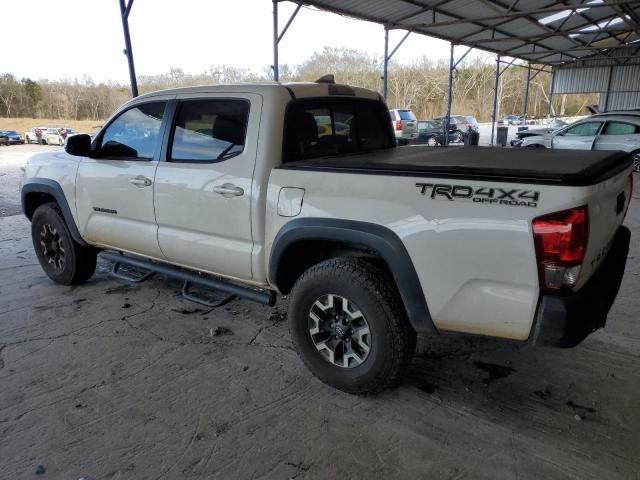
{"x":475,"y":261}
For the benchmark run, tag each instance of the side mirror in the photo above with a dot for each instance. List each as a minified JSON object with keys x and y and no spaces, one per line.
{"x":78,"y":145}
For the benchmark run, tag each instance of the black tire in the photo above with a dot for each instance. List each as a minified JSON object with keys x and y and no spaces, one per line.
{"x":456,"y":137}
{"x":636,"y":161}
{"x":76,"y":264}
{"x":392,"y":340}
{"x":432,"y":141}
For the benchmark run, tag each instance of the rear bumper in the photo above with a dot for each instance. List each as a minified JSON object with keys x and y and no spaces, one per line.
{"x":564,"y":320}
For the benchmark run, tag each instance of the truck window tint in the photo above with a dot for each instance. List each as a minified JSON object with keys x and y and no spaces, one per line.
{"x":326,"y":127}
{"x":620,"y":128}
{"x":210,"y":130}
{"x":134,"y":134}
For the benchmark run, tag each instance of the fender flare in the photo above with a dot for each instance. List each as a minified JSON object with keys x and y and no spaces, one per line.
{"x":53,"y":188}
{"x":376,"y":237}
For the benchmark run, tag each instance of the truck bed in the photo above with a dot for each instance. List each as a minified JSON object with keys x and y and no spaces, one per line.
{"x":561,"y":167}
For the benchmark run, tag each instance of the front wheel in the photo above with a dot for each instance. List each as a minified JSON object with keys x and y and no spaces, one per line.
{"x":62,"y":258}
{"x":349,"y":326}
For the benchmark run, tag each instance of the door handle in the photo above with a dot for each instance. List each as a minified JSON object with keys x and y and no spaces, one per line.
{"x":140,"y":181}
{"x":228,"y":190}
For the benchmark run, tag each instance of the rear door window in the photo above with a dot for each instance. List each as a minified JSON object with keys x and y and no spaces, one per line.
{"x":620,"y":128}
{"x":209,"y":130}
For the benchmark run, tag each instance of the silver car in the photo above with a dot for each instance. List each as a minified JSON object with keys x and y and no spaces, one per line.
{"x":604,"y":131}
{"x":405,"y":125}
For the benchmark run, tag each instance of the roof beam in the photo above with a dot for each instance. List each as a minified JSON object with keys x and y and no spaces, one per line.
{"x":520,"y":13}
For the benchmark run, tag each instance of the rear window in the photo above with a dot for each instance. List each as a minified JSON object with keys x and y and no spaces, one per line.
{"x":406,"y":115}
{"x":335,"y":126}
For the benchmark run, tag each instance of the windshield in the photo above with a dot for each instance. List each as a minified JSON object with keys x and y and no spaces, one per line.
{"x":335,"y":126}
{"x":52,"y":130}
{"x":10,"y":132}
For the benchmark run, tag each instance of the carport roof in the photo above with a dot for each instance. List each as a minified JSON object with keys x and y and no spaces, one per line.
{"x":539,"y":31}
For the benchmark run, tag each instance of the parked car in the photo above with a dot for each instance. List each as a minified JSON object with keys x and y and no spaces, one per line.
{"x":430,"y":132}
{"x":405,"y":125}
{"x":372,"y":243}
{"x":32,"y":135}
{"x":4,"y":139}
{"x":13,"y":137}
{"x":513,"y":120}
{"x":552,"y":126}
{"x":52,"y":136}
{"x":610,"y":131}
{"x":459,"y":126}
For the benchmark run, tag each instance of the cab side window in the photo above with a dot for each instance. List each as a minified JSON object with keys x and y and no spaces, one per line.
{"x":209,"y":130}
{"x":135,"y":133}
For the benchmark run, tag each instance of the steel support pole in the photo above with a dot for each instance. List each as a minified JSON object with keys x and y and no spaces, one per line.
{"x":495,"y":99}
{"x":447,"y":120}
{"x":276,"y":73}
{"x":606,"y":99}
{"x":385,"y":64}
{"x":526,"y":96}
{"x":553,"y":82}
{"x":128,"y":51}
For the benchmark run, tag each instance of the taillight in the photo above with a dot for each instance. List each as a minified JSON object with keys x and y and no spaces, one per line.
{"x":561,"y":241}
{"x":398,"y":124}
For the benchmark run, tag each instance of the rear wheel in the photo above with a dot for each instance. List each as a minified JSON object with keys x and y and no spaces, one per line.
{"x":432,"y":142}
{"x":456,"y":137}
{"x":636,"y":161}
{"x":349,"y":326}
{"x":62,"y":258}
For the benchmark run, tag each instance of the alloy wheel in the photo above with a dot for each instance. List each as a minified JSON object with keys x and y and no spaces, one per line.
{"x":52,"y":246}
{"x":339,"y":331}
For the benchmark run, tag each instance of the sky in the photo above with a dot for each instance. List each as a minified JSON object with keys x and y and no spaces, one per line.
{"x":76,"y":37}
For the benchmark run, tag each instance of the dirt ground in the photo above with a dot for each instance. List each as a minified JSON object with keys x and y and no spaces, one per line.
{"x":116,"y":381}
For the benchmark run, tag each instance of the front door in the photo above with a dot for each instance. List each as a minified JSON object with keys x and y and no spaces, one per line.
{"x":114,"y":191}
{"x":578,"y":137}
{"x":204,"y":188}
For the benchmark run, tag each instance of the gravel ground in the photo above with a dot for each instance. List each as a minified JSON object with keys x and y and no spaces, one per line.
{"x":116,"y":381}
{"x":11,"y":159}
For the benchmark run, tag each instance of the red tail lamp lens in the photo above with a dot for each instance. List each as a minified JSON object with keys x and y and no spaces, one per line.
{"x":561,"y":241}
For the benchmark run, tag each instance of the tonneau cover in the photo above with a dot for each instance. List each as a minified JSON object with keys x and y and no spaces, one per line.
{"x":522,"y":165}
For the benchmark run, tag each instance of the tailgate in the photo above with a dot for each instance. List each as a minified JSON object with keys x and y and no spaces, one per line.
{"x":607,"y":206}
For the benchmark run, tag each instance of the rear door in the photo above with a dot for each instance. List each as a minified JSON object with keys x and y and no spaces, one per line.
{"x":578,"y":137}
{"x":618,"y":135}
{"x":114,"y":192}
{"x":204,"y":186}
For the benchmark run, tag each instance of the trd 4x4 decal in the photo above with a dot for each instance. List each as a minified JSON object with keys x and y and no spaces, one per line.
{"x":514,"y":197}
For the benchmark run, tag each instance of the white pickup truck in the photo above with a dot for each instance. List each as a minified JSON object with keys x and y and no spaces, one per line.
{"x":239,"y":188}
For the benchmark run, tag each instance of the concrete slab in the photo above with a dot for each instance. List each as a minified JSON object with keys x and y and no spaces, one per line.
{"x":113,"y":381}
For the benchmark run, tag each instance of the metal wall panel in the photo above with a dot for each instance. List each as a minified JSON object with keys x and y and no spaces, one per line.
{"x":581,"y":80}
{"x":620,"y":101}
{"x":625,"y":79}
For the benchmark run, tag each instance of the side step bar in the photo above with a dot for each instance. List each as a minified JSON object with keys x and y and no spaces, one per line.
{"x":265,"y":298}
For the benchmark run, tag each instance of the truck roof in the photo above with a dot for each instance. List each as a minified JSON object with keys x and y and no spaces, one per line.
{"x":295,"y":89}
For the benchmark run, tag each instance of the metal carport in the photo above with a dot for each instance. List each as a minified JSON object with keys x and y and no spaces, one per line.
{"x":544,"y":35}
